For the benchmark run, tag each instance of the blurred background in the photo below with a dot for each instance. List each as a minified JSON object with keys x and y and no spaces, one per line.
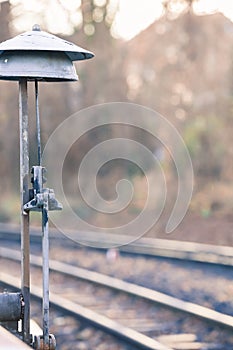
{"x":174,"y":56}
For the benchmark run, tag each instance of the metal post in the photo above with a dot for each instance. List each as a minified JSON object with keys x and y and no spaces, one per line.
{"x":45,"y":231}
{"x":38,"y":123}
{"x":45,"y":252}
{"x":25,"y":238}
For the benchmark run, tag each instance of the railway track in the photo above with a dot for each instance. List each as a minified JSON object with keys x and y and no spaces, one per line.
{"x":114,"y":300}
{"x":189,"y":251}
{"x":97,"y":320}
{"x":10,"y":342}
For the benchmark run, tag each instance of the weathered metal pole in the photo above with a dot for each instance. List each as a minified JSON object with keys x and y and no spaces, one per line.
{"x":38,"y":123}
{"x":45,"y":250}
{"x":45,"y":231}
{"x":25,"y":238}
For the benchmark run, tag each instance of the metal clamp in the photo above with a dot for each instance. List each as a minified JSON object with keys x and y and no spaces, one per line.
{"x":39,"y":195}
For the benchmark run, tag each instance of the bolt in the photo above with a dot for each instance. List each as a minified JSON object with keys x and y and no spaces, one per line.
{"x":36,"y":28}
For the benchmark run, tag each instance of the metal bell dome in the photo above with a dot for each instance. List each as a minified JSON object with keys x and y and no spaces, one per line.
{"x":38,"y":55}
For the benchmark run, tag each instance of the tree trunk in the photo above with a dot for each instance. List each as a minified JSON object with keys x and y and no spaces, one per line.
{"x":5,"y":20}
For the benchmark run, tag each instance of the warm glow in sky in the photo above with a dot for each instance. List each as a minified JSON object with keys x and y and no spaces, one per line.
{"x":132,"y":17}
{"x":136,"y":15}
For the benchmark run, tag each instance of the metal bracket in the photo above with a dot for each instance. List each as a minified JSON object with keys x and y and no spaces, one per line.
{"x":39,"y":195}
{"x":37,"y":203}
{"x":43,"y":199}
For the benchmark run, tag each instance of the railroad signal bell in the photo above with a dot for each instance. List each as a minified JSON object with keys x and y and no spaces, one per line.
{"x":36,"y":56}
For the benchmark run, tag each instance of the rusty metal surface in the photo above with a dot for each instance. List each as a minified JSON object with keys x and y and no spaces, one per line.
{"x":39,"y":343}
{"x":37,"y":40}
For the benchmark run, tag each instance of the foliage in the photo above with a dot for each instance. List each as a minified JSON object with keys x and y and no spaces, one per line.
{"x":84,"y":15}
{"x":205,"y":146}
{"x":176,"y":66}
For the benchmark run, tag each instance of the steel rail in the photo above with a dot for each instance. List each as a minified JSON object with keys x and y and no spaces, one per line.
{"x":172,"y":249}
{"x":102,"y":322}
{"x":196,"y":310}
{"x":9,"y":341}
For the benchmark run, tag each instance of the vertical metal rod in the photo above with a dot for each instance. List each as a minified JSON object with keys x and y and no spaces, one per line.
{"x":38,"y":123}
{"x":45,"y":251}
{"x":25,"y":238}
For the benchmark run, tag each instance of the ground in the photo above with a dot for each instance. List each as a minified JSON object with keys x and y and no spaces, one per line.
{"x":213,"y":229}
